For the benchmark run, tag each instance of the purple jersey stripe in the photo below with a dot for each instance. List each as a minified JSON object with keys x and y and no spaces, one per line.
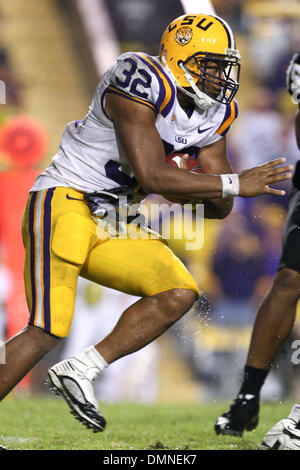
{"x":227,"y":114}
{"x":225,"y":132}
{"x":162,"y":89}
{"x":132,"y":98}
{"x":46,"y":252}
{"x":169,"y":105}
{"x":32,"y":256}
{"x":236,"y":113}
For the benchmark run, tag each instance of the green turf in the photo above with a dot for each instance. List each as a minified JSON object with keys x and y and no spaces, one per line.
{"x":42,"y":424}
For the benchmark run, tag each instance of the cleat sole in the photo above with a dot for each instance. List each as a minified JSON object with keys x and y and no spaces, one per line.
{"x":55,"y":386}
{"x":228,"y":432}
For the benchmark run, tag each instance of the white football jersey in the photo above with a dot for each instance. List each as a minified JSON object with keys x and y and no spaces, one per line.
{"x":89,"y":158}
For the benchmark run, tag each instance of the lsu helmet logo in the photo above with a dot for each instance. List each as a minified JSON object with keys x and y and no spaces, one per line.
{"x":183,"y":35}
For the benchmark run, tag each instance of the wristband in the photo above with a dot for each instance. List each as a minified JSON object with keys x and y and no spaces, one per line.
{"x":230,"y":185}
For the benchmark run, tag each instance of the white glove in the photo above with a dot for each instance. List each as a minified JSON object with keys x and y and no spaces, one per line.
{"x":285,"y":435}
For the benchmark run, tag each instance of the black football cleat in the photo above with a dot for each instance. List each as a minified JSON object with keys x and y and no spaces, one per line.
{"x":242,"y":415}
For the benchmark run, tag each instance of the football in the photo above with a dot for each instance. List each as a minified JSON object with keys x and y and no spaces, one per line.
{"x":192,"y":164}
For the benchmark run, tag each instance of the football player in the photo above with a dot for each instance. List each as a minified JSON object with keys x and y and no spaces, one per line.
{"x":143,"y":108}
{"x":274,"y":320}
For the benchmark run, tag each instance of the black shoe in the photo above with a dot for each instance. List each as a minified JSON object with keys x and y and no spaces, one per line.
{"x":2,"y":448}
{"x":242,"y":415}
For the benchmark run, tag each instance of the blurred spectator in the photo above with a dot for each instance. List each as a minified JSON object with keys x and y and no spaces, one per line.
{"x":269,"y":42}
{"x":141,"y":22}
{"x":231,"y":11}
{"x":256,"y":137}
{"x":238,"y":265}
{"x":12,"y":88}
{"x":267,"y":222}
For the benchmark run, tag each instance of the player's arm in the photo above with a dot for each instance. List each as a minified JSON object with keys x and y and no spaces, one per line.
{"x":213,"y":160}
{"x":138,"y":138}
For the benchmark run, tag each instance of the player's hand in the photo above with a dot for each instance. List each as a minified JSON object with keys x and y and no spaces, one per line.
{"x":285,"y":435}
{"x":183,"y":161}
{"x":293,"y":77}
{"x":292,"y":428}
{"x":256,"y":181}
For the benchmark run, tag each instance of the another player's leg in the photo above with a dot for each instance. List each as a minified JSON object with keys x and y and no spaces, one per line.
{"x":272,"y":327}
{"x":145,"y":268}
{"x":274,"y":320}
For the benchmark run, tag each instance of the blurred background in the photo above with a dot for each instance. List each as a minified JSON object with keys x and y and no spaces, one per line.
{"x":52,"y":55}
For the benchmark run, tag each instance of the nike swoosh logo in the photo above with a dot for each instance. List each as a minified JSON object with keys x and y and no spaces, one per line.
{"x":203,"y":130}
{"x":73,"y":198}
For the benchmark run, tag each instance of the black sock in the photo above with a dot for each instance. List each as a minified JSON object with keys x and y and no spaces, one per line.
{"x":253,"y":380}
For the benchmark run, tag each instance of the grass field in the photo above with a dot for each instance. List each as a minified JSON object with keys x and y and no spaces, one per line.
{"x":46,"y":424}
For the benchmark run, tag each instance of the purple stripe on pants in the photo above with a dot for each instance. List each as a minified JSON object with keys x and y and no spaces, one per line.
{"x":32,"y":256}
{"x":46,"y":252}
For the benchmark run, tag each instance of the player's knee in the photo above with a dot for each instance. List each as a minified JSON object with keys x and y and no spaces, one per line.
{"x":178,"y":302}
{"x":287,"y":283}
{"x":184,"y":298}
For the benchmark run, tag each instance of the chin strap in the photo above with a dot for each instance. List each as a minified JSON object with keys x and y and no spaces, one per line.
{"x":201,"y":99}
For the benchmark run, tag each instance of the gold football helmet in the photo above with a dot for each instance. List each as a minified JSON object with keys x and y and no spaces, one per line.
{"x":190,"y":46}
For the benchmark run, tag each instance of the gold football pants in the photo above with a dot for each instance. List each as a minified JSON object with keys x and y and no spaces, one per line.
{"x":62,"y":242}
